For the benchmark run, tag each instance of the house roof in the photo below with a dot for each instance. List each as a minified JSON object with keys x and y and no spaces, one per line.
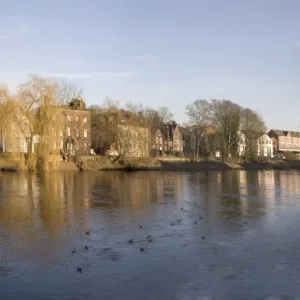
{"x":285,"y":132}
{"x":295,"y":133}
{"x":279,"y":132}
{"x":168,"y":129}
{"x":253,"y":134}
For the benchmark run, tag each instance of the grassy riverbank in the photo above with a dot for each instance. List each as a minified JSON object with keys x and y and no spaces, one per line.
{"x":101,"y":163}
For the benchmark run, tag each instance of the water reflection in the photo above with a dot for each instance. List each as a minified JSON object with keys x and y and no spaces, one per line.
{"x":43,"y":216}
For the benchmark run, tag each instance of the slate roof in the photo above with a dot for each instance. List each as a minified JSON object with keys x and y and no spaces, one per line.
{"x":285,"y":132}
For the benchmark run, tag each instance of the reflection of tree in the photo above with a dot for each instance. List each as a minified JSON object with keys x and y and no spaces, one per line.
{"x":136,"y":189}
{"x":40,"y":207}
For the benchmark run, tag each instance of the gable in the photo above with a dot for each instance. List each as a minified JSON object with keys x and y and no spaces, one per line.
{"x":177,"y":131}
{"x":158,"y":132}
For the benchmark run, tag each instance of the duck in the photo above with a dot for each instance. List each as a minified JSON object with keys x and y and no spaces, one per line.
{"x":195,"y":222}
{"x":73,"y":251}
{"x":79,"y":270}
{"x":131,"y":241}
{"x":87,"y":232}
{"x":86,"y":248}
{"x":142,"y":249}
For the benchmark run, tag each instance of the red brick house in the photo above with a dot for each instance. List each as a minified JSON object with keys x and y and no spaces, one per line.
{"x":168,"y":139}
{"x":285,"y":141}
{"x":76,"y":136}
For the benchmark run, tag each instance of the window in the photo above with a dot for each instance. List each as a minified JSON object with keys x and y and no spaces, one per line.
{"x":54,"y":145}
{"x":68,"y":131}
{"x":85,"y":119}
{"x":85,"y":146}
{"x":261,"y":152}
{"x":76,"y":119}
{"x":85,"y":133}
{"x":161,"y":140}
{"x":61,"y":134}
{"x":69,"y":118}
{"x":77,"y":133}
{"x":77,"y":147}
{"x":157,"y":140}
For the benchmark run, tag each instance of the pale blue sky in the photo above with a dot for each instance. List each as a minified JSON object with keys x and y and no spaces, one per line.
{"x":160,"y":52}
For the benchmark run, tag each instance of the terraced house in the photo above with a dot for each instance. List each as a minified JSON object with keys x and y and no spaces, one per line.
{"x":285,"y":141}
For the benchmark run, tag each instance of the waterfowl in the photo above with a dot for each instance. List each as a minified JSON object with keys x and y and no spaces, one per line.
{"x":130,"y":241}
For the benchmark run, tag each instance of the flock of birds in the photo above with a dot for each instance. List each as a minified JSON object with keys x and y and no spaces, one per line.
{"x":149,"y":238}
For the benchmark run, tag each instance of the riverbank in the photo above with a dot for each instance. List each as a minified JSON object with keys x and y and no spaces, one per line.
{"x":103,"y":163}
{"x":178,"y":164}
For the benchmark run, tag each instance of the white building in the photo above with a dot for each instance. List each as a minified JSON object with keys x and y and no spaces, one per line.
{"x":261,"y":144}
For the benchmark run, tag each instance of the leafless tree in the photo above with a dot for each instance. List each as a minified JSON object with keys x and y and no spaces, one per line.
{"x":226,"y":117}
{"x":200,"y":115}
{"x":164,"y":114}
{"x":251,"y":125}
{"x":66,"y":92}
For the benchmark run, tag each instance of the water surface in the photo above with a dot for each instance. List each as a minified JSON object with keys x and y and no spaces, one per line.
{"x":216,"y":235}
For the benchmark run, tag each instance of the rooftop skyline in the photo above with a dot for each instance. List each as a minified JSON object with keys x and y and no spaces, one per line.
{"x":161,"y":53}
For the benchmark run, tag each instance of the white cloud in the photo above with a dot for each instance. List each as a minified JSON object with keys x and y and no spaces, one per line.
{"x":146,"y":57}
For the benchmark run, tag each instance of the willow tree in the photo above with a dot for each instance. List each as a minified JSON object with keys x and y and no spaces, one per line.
{"x":35,"y":114}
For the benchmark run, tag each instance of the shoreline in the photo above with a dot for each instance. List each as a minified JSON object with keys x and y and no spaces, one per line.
{"x":90,"y":163}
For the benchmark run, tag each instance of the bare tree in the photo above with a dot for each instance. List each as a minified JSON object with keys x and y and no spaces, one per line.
{"x":226,"y":117}
{"x":66,"y":92}
{"x":251,"y":126}
{"x":200,"y":114}
{"x":165,"y":114}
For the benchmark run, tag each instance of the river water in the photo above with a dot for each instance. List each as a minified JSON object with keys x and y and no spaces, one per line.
{"x":214,"y":235}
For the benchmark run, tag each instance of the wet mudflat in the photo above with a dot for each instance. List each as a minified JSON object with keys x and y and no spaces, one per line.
{"x":150,"y":235}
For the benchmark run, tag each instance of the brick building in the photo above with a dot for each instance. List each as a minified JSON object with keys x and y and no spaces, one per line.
{"x":76,"y":134}
{"x":285,"y":141}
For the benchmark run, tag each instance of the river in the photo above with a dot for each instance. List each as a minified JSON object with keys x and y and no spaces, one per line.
{"x":214,"y":235}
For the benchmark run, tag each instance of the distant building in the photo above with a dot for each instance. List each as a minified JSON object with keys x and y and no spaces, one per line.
{"x":168,"y":139}
{"x":13,"y":135}
{"x":285,"y":141}
{"x":198,"y":140}
{"x":260,"y":144}
{"x":132,"y":141}
{"x":76,"y":134}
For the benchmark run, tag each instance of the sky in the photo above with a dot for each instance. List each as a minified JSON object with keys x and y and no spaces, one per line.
{"x":161,"y":52}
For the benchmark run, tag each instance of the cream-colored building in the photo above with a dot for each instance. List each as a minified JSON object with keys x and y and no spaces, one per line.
{"x":132,"y":141}
{"x":261,"y":144}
